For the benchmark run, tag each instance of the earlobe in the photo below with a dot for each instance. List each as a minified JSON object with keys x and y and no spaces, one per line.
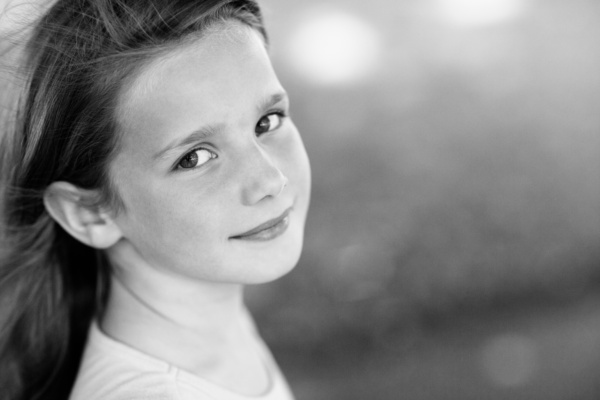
{"x":67,"y":205}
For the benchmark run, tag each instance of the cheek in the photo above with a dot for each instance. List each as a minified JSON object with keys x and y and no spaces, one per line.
{"x":163,"y":218}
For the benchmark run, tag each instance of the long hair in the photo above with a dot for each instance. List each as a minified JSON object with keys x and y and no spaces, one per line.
{"x":79,"y":56}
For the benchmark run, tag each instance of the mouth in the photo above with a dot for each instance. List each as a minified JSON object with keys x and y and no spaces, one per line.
{"x":269,"y":230}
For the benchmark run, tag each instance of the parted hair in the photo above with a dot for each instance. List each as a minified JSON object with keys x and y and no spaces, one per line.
{"x":78,"y":57}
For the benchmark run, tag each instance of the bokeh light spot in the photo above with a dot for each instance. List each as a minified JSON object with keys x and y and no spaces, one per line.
{"x":479,"y":12}
{"x":334,"y":47}
{"x":510,"y":360}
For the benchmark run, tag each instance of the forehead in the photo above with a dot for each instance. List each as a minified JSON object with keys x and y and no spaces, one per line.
{"x":210,"y":68}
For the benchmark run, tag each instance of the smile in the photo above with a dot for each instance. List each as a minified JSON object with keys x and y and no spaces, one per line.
{"x":269,"y":230}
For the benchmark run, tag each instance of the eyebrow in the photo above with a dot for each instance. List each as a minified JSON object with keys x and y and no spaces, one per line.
{"x":272,"y":100}
{"x":205,"y":132}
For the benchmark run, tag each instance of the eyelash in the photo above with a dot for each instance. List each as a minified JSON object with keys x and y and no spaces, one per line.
{"x":280,"y":113}
{"x":178,"y":166}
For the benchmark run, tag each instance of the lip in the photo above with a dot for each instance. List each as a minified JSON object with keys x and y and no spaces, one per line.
{"x":269,"y":230}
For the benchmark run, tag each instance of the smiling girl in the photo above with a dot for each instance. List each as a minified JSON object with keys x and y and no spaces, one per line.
{"x":152,"y":171}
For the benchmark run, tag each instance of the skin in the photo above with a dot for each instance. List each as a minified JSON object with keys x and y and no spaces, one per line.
{"x":179,"y":268}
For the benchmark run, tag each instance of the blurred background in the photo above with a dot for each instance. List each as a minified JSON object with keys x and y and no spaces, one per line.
{"x":453,"y":244}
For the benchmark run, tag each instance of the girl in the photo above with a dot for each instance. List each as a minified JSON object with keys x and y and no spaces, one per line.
{"x":152,"y":170}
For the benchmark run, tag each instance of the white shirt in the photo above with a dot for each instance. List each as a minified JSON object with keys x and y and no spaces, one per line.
{"x":111,"y":370}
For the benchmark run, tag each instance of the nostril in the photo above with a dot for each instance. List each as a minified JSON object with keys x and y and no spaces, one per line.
{"x":268,"y":184}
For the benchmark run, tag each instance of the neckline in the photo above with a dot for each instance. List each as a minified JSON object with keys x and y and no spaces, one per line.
{"x":124,"y":350}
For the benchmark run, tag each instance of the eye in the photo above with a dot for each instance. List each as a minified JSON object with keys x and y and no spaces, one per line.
{"x":195,"y":158}
{"x":269,"y":122}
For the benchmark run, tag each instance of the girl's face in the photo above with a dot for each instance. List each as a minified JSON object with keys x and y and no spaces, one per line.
{"x":211,"y":170}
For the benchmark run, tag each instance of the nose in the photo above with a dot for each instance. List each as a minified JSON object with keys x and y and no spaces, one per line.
{"x":263,"y":179}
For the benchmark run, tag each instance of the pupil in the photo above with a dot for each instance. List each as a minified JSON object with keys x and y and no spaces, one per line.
{"x":190,"y":160}
{"x":264,"y":125}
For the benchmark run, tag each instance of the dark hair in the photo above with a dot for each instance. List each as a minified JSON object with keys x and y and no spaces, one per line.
{"x":78,"y":57}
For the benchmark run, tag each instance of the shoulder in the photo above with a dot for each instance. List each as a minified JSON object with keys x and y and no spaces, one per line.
{"x":123,"y":384}
{"x":113,"y":371}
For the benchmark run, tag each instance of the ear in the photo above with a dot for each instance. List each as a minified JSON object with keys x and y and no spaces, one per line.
{"x":67,"y":205}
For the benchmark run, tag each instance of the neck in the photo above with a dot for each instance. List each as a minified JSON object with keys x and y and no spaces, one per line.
{"x":196,"y":325}
{"x":205,"y":308}
{"x":200,"y":311}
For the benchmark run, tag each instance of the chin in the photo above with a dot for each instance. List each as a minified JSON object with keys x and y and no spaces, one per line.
{"x":274,"y":266}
